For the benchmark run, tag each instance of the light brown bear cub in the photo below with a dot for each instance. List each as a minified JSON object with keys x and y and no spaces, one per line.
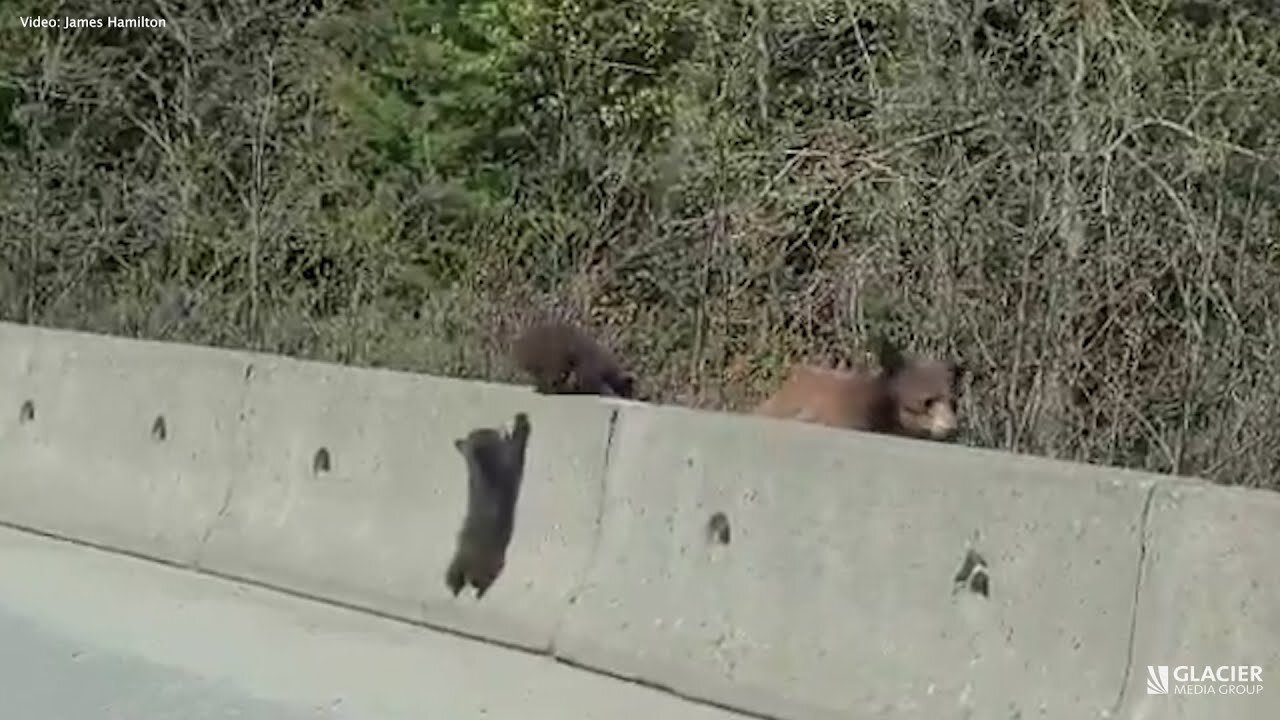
{"x":910,"y":397}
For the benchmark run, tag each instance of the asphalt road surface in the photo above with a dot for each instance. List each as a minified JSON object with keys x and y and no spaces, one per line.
{"x":87,"y":634}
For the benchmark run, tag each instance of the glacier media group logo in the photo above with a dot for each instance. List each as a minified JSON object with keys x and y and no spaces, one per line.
{"x":1204,"y":680}
{"x":1157,"y":679}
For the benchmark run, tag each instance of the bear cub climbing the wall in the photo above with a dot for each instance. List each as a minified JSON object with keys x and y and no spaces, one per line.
{"x":910,"y":397}
{"x":495,"y":469}
{"x":564,"y":360}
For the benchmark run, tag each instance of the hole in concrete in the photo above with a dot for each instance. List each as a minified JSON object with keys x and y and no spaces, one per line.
{"x":158,"y":430}
{"x":974,"y":574}
{"x":320,"y":464}
{"x":248,"y":371}
{"x":27,"y":412}
{"x":718,"y":528}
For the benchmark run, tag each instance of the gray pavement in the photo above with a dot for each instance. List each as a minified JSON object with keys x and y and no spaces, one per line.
{"x":88,"y":635}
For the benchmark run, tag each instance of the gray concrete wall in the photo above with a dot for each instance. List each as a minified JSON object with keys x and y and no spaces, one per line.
{"x":834,"y":596}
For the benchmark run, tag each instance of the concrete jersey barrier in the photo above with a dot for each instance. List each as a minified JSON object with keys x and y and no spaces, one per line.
{"x":1210,"y":598}
{"x":209,"y":458}
{"x":780,"y":569}
{"x":833,"y":597}
{"x":376,"y":528}
{"x":122,"y":443}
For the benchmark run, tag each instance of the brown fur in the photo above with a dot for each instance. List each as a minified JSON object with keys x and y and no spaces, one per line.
{"x":911,"y":398}
{"x":563,"y":359}
{"x":495,"y":469}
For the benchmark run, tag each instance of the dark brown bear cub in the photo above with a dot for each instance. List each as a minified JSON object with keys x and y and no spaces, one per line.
{"x":564,"y":360}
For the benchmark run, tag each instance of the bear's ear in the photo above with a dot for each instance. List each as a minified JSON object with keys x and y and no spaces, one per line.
{"x":888,"y":355}
{"x":628,"y":383}
{"x":461,"y":445}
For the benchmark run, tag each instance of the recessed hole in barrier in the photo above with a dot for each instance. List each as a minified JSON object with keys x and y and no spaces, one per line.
{"x":321,"y":463}
{"x":158,"y":429}
{"x":974,"y":574}
{"x":718,"y":528}
{"x":28,"y":412}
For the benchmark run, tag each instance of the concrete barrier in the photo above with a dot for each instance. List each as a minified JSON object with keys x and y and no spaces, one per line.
{"x":122,"y":443}
{"x":377,"y":528}
{"x":831,"y":593}
{"x":1210,"y":597}
{"x":834,"y":595}
{"x":207,"y":457}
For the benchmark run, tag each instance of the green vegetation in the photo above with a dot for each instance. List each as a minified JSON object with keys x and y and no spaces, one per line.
{"x":1080,"y":198}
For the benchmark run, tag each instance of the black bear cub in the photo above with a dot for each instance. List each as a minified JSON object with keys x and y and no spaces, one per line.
{"x":495,"y":469}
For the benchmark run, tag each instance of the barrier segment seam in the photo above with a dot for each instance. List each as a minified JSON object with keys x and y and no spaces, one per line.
{"x":1131,"y":648}
{"x":597,"y":536}
{"x":233,"y":482}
